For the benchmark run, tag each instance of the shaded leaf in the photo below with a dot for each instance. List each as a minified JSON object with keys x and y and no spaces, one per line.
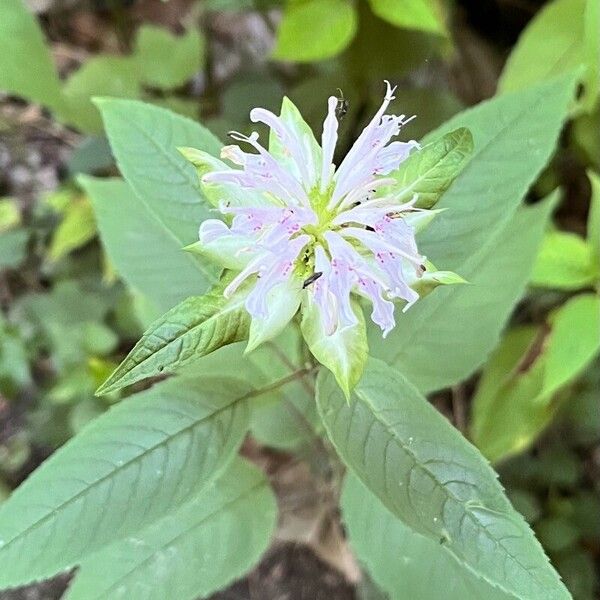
{"x":515,"y":399}
{"x":99,"y":76}
{"x":467,"y":317}
{"x":144,"y":140}
{"x":143,"y":249}
{"x":472,"y":237}
{"x":433,"y":480}
{"x":129,"y":467}
{"x":404,"y":563}
{"x":193,"y":551}
{"x":164,"y":60}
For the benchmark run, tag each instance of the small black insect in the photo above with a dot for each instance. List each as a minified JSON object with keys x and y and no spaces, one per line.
{"x":312,"y":279}
{"x":342,"y":106}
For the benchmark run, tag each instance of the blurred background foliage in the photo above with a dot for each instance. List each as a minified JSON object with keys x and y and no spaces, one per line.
{"x":68,"y":318}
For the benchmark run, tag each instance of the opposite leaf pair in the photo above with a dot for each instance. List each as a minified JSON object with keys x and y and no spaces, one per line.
{"x":301,"y":234}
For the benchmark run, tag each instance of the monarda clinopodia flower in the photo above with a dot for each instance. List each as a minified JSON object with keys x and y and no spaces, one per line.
{"x":300,"y":233}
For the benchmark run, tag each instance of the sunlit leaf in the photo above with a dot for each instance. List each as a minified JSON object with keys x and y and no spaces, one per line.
{"x":315,"y":29}
{"x":424,"y":15}
{"x":565,"y":261}
{"x":593,"y":224}
{"x":76,"y":229}
{"x":552,"y":43}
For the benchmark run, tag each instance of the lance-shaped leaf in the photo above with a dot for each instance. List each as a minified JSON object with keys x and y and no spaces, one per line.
{"x":403,"y":563}
{"x":193,"y":551}
{"x":26,"y":66}
{"x":429,"y":171}
{"x":142,"y":248}
{"x":517,"y":394}
{"x":432,"y":479}
{"x":128,"y":468}
{"x":192,"y":329}
{"x":144,"y":140}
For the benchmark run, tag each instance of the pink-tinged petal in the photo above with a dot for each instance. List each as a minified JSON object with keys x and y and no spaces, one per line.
{"x":290,"y":143}
{"x":389,"y":260}
{"x":328,"y":143}
{"x":363,"y":193}
{"x":221,"y":245}
{"x":265,"y":166}
{"x":376,"y":244}
{"x":383,"y":310}
{"x":279,"y":269}
{"x":322,"y":296}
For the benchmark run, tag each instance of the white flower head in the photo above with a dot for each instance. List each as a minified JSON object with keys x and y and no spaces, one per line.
{"x":307,"y":232}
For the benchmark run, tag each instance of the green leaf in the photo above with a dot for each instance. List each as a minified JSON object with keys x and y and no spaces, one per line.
{"x":404,"y":563}
{"x":129,"y":467}
{"x":313,"y":30}
{"x":471,"y":237}
{"x":592,"y":53}
{"x":432,"y":479}
{"x":425,"y":341}
{"x":143,"y":249}
{"x":165,"y":60}
{"x":574,"y":340}
{"x":565,"y":262}
{"x":76,"y":229}
{"x":423,"y":15}
{"x":515,"y":399}
{"x":344,"y":352}
{"x":430,"y":171}
{"x":194,"y":551}
{"x":100,"y":76}
{"x":552,"y":43}
{"x":13,"y":247}
{"x":192,"y":329}
{"x":26,"y":65}
{"x":593,"y":223}
{"x":144,"y":140}
{"x":10,"y":214}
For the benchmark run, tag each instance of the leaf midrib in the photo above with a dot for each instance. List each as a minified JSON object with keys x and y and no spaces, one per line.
{"x":211,"y":277}
{"x":248,"y":492}
{"x":220,"y":314}
{"x":118,"y":468}
{"x":363,"y":397}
